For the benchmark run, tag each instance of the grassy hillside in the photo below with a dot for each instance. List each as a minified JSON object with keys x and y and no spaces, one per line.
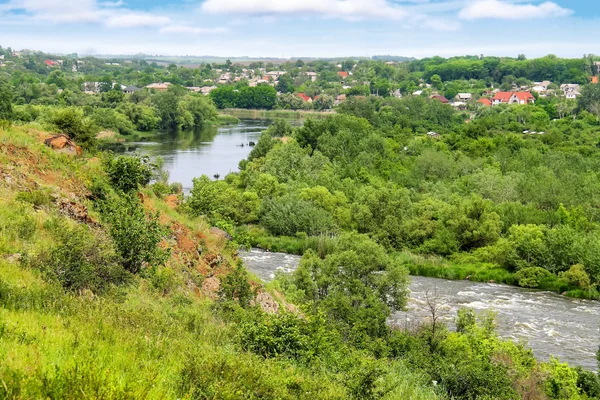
{"x":157,"y":334}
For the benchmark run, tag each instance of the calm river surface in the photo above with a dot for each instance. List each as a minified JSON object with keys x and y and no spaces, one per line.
{"x":550,"y":324}
{"x":208,"y":151}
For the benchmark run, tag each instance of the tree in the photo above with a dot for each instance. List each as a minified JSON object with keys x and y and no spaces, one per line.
{"x":436,"y":82}
{"x":6,"y":97}
{"x":285,"y":84}
{"x":57,"y":77}
{"x":167,"y":109}
{"x":590,"y":96}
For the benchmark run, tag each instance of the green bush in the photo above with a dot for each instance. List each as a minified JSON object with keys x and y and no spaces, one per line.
{"x":532,"y":277}
{"x":235,"y":287}
{"x":72,"y":122}
{"x":129,"y":173}
{"x":81,"y":259}
{"x":136,"y":234}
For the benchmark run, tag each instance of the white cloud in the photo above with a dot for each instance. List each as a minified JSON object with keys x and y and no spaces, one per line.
{"x":136,"y":20}
{"x":110,"y":14}
{"x":506,"y":10}
{"x":330,"y":8}
{"x":190,"y":30}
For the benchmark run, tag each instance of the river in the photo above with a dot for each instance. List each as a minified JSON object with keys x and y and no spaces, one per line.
{"x":550,"y":324}
{"x":208,"y":151}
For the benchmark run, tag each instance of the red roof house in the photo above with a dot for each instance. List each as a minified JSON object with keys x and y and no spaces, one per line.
{"x":304,"y":97}
{"x":440,"y":98}
{"x":343,"y":74}
{"x":486,"y":102}
{"x":50,"y":63}
{"x":513,"y":98}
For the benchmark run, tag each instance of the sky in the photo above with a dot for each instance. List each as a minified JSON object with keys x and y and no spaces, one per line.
{"x":303,"y":28}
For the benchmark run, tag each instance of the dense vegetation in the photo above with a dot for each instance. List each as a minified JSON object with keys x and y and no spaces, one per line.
{"x":103,"y":294}
{"x":496,"y":203}
{"x":113,"y":285}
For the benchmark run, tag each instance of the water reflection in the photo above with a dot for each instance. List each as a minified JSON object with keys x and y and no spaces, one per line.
{"x":208,"y":151}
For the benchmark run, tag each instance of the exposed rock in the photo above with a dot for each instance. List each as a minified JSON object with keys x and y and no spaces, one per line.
{"x":220,"y":232}
{"x":267,"y":303}
{"x":15,"y":258}
{"x":63,"y":144}
{"x":213,"y":260}
{"x":211,"y":286}
{"x":75,"y":211}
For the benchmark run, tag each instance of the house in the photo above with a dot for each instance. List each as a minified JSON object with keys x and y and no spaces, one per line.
{"x":305,"y":98}
{"x":51,"y":63}
{"x":159,"y":87}
{"x":340,"y":99}
{"x":343,"y":74}
{"x":464,"y":97}
{"x":2,"y":57}
{"x":597,"y":67}
{"x":194,"y":89}
{"x":275,"y":74}
{"x":131,"y":89}
{"x":570,"y":90}
{"x":397,"y":94}
{"x":312,"y":76}
{"x":440,"y":98}
{"x":433,"y":134}
{"x":595,"y":80}
{"x":418,"y":93}
{"x":16,"y":54}
{"x":513,"y":98}
{"x":486,"y":102}
{"x":207,"y":89}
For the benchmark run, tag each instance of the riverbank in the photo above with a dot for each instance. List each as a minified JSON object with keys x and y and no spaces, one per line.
{"x":427,"y":266}
{"x":274,"y":114}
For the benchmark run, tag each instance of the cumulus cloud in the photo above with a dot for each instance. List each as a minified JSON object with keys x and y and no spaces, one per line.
{"x":191,"y":30}
{"x":497,"y":9}
{"x":330,"y":8}
{"x":111,"y":14}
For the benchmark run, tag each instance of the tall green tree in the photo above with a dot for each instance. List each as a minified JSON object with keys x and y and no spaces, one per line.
{"x":6,"y":98}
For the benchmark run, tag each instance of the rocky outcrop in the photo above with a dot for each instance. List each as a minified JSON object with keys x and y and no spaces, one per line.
{"x":63,"y":144}
{"x":75,"y":211}
{"x":220,"y":232}
{"x":267,"y":303}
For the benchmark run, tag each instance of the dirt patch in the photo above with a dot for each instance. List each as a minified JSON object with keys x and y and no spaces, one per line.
{"x":211,"y":286}
{"x":172,"y":201}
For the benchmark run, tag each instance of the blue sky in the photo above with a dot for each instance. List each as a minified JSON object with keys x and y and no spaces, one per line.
{"x":296,"y":28}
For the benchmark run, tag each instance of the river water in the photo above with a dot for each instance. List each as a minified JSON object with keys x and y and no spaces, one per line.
{"x":548,"y":323}
{"x":208,"y":151}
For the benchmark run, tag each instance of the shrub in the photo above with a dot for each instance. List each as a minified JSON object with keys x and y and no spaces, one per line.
{"x":81,"y":259}
{"x":532,"y":277}
{"x":235,"y":287}
{"x":289,"y":215}
{"x":136,"y":235}
{"x":76,"y":125}
{"x":576,"y":276}
{"x":38,"y":198}
{"x":129,"y":173}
